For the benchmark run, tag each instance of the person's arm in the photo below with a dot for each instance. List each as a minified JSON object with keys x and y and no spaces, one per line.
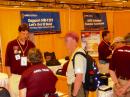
{"x":7,"y":59}
{"x":114,"y":77}
{"x":109,"y":57}
{"x":123,"y":89}
{"x":128,"y":84}
{"x":8,"y":70}
{"x":112,"y":68}
{"x":7,"y":55}
{"x":116,"y":83}
{"x":77,"y":83}
{"x":22,"y":86}
{"x":80,"y":63}
{"x":22,"y":92}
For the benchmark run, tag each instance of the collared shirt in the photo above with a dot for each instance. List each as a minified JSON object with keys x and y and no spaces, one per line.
{"x":120,"y":62}
{"x":38,"y":80}
{"x":80,"y":66}
{"x":104,"y":51}
{"x":14,"y":50}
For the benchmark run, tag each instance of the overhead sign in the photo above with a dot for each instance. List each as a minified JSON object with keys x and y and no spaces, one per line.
{"x":94,"y":21}
{"x":41,"y":22}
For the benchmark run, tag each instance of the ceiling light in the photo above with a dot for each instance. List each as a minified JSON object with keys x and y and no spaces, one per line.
{"x":125,"y":1}
{"x":116,"y":0}
{"x":91,"y":9}
{"x":96,"y":2}
{"x":40,"y":7}
{"x":32,"y":0}
{"x":91,"y":0}
{"x":16,"y":6}
{"x":62,"y":2}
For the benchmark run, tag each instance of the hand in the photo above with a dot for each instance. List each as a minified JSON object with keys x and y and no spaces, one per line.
{"x":117,"y":87}
{"x":121,"y":91}
{"x":73,"y":95}
{"x":109,"y":57}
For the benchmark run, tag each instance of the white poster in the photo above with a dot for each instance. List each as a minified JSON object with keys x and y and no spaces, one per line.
{"x":90,"y":41}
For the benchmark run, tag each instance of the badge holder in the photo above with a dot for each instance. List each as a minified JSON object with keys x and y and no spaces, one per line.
{"x":23,"y":61}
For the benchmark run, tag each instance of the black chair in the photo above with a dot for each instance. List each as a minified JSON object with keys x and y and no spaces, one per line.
{"x":4,"y":92}
{"x":52,"y":59}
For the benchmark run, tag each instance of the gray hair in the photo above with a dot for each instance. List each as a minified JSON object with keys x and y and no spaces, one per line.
{"x":35,"y":56}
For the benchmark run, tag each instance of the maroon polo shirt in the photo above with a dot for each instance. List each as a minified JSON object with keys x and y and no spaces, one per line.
{"x":38,"y":80}
{"x":120,"y":62}
{"x":11,"y":51}
{"x":104,"y":51}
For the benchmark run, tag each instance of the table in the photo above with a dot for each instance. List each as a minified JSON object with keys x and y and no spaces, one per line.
{"x":4,"y":80}
{"x":55,"y":68}
{"x":62,"y":87}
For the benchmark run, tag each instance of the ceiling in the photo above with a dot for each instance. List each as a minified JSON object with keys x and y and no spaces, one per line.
{"x":79,"y":4}
{"x":71,"y":1}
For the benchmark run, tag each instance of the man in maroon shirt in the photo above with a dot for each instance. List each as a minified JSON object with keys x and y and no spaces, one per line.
{"x":16,"y":56}
{"x":104,"y":48}
{"x":17,"y":49}
{"x":38,"y":80}
{"x":120,"y":69}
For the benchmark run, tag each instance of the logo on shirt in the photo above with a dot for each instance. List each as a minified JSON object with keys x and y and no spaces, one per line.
{"x":40,"y":70}
{"x":120,"y":50}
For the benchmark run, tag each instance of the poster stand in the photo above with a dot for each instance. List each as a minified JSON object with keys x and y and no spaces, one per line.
{"x":90,"y":41}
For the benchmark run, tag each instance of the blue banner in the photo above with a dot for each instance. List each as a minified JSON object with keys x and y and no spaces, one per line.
{"x":41,"y":22}
{"x":94,"y":21}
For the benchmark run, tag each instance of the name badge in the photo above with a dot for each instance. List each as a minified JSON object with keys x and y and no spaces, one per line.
{"x":17,"y":57}
{"x":23,"y":61}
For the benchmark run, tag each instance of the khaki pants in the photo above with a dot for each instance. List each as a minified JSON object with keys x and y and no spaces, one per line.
{"x":81,"y":92}
{"x":103,"y":68}
{"x":123,"y":82}
{"x":14,"y":84}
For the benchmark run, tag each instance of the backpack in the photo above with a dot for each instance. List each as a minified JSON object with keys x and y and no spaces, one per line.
{"x":92,"y":73}
{"x":4,"y":92}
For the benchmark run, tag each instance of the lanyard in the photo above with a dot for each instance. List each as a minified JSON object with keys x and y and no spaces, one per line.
{"x":107,"y":44}
{"x":23,"y":50}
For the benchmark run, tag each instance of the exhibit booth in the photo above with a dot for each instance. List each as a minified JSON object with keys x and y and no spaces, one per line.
{"x":48,"y":27}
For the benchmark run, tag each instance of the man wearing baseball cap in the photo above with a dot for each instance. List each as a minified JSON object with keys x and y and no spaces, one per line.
{"x":120,"y":69}
{"x":118,"y":42}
